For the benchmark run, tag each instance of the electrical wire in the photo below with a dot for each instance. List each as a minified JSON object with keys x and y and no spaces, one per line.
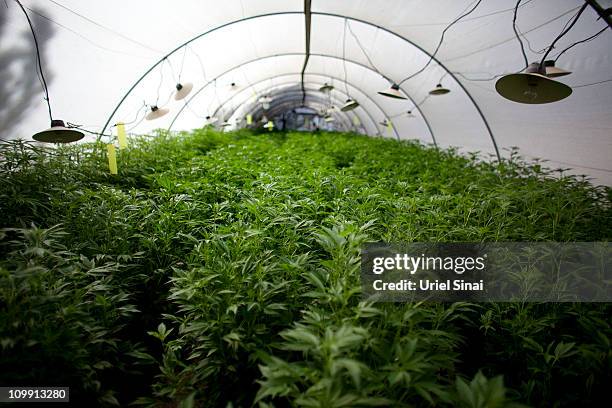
{"x":81,"y":35}
{"x":80,"y":127}
{"x":581,"y":41}
{"x":362,"y":48}
{"x":469,"y":54}
{"x":593,"y":83}
{"x":518,"y":37}
{"x":464,"y":20}
{"x":200,"y":62}
{"x":38,"y":60}
{"x":433,"y":55}
{"x":565,"y":31}
{"x":104,"y":27}
{"x":144,"y":106}
{"x":344,"y":56}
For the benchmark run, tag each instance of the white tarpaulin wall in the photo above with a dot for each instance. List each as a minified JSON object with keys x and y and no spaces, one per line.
{"x":101,"y":48}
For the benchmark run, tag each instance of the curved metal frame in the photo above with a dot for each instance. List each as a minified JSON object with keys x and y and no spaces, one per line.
{"x":316,"y":55}
{"x":296,"y":96}
{"x":433,"y":58}
{"x":284,"y":100}
{"x":314,"y":74}
{"x":286,"y":84}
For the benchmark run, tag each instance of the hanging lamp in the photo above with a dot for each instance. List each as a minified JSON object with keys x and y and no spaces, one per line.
{"x":328,"y":118}
{"x":182,"y":90}
{"x":210,"y":120}
{"x":439,"y":90}
{"x":326,"y":87}
{"x":532,"y":86}
{"x":552,"y":71}
{"x":58,"y":133}
{"x":265,"y":101}
{"x":393,"y":92}
{"x":156,"y":112}
{"x":409,"y":114}
{"x":349,"y":105}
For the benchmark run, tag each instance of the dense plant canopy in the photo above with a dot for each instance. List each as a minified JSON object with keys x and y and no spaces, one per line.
{"x":219,"y":268}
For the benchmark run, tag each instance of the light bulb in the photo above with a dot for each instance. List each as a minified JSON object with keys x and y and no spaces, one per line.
{"x":531,"y":92}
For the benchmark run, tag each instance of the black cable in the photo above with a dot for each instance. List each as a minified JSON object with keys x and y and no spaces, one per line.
{"x":182,"y":64}
{"x":581,"y":41}
{"x":518,"y":37}
{"x":565,"y":31}
{"x":73,"y":126}
{"x":362,"y":48}
{"x":545,"y":23}
{"x":344,"y":56}
{"x":39,"y":65}
{"x":200,"y":61}
{"x":432,"y":56}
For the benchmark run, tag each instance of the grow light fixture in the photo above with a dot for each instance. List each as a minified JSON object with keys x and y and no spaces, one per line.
{"x":552,"y":71}
{"x":439,"y":90}
{"x":409,"y":114}
{"x":265,"y":101}
{"x":58,"y":133}
{"x":326,"y":87}
{"x":393,"y":92}
{"x":156,"y":112}
{"x":329,"y":118}
{"x":349,"y":105}
{"x":225,"y":124}
{"x":182,"y":90}
{"x":532,"y":86}
{"x":210,"y":120}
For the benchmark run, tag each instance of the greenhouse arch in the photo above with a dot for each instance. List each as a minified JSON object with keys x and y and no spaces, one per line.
{"x":406,"y":40}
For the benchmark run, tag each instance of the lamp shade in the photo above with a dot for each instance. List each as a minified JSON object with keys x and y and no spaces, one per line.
{"x":552,"y":71}
{"x":326,"y":88}
{"x":329,"y":118}
{"x":531,"y":87}
{"x":58,"y":133}
{"x":182,"y":90}
{"x":156,"y":113}
{"x":210,"y":120}
{"x":439,"y":90}
{"x":393,"y":92}
{"x":349,"y":105}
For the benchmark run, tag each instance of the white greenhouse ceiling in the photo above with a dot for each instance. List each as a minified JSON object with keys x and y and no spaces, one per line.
{"x":238,"y":51}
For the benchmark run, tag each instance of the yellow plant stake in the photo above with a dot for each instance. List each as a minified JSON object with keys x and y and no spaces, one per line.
{"x":390,"y":127}
{"x":112,"y":158}
{"x":270,"y":125}
{"x":249,"y":119}
{"x":121,"y":136}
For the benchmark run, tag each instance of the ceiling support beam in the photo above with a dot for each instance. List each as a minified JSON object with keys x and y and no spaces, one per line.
{"x":307,"y":25}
